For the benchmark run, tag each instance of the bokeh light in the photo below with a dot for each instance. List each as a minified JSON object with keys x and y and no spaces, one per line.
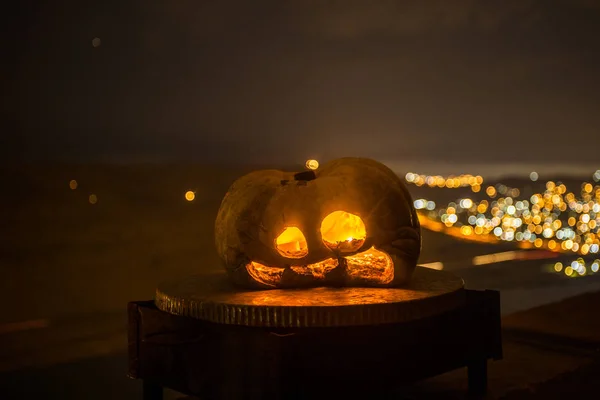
{"x":578,"y":268}
{"x":568,"y":271}
{"x":534,"y":176}
{"x":558,"y":267}
{"x":312,"y":164}
{"x":93,"y":199}
{"x":190,"y":196}
{"x":73,"y":184}
{"x":449,"y":182}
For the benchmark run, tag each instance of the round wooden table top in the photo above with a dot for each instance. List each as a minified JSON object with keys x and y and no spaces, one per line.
{"x":213,"y":298}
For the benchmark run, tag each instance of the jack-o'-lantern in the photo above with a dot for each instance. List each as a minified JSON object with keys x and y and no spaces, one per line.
{"x":350,"y":223}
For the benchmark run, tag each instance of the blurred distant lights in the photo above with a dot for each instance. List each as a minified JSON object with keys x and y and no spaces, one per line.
{"x":577,"y":267}
{"x":466,"y":203}
{"x":190,"y":196}
{"x":421,"y":204}
{"x":558,"y":267}
{"x":597,"y":176}
{"x":96,"y":42}
{"x":434,"y":265}
{"x":450,"y":182}
{"x":495,"y":258}
{"x":93,"y":199}
{"x":73,"y":184}
{"x":534,"y":176}
{"x":554,"y":219}
{"x":312,"y":164}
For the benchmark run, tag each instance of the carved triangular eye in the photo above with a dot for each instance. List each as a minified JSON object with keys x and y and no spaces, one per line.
{"x":291,"y":243}
{"x":342,"y":231}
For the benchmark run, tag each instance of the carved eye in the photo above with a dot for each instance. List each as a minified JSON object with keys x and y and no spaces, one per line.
{"x":291,"y":243}
{"x":343,"y":232}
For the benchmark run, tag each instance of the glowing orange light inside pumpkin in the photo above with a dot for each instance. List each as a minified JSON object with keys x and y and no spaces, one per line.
{"x":340,"y":231}
{"x":291,"y":243}
{"x":269,"y":276}
{"x":372,"y":266}
{"x":317,"y":270}
{"x":343,"y":231}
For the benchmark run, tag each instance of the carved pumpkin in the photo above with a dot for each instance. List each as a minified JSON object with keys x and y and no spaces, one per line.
{"x":350,"y":223}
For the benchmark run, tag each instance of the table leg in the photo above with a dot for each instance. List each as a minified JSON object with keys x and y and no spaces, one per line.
{"x":152,"y":391}
{"x":477,"y":376}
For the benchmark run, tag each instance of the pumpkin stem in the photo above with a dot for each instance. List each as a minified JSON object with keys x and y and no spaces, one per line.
{"x":305,"y":176}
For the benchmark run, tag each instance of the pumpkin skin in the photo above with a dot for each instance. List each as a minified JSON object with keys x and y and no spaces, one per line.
{"x":260,"y":205}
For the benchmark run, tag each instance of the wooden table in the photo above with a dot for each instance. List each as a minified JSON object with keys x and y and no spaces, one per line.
{"x":205,"y":338}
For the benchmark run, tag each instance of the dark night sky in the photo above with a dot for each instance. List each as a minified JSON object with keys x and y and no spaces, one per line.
{"x":457,"y":82}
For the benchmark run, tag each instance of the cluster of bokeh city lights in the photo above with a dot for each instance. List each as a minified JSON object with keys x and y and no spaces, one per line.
{"x":577,"y":268}
{"x":555,"y":219}
{"x":450,"y":182}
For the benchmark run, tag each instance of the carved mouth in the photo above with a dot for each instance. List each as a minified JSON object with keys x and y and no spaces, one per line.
{"x":371,"y":267}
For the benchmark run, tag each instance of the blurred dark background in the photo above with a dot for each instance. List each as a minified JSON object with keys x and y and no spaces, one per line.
{"x":111,"y":111}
